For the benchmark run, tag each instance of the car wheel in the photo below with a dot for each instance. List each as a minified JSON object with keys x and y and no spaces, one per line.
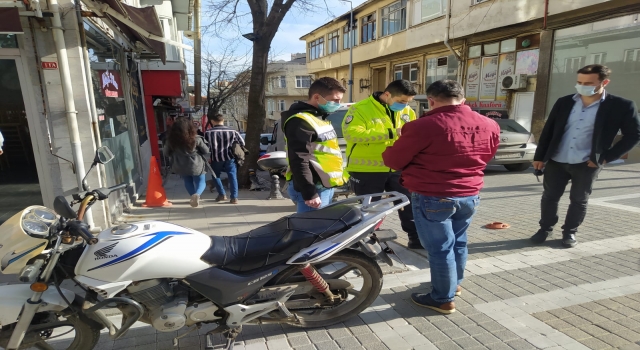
{"x":517,"y":166}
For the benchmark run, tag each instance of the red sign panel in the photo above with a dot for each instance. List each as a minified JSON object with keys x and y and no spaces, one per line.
{"x":110,"y":83}
{"x":49,"y":65}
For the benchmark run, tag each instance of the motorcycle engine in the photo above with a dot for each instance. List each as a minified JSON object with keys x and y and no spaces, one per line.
{"x":165,"y":306}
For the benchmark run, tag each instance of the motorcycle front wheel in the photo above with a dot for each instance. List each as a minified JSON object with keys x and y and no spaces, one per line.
{"x":49,"y":331}
{"x":361,"y":271}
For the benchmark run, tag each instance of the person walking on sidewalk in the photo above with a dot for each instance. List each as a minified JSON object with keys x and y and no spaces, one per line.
{"x":313,"y":154}
{"x":576,"y":143}
{"x":188,"y":152}
{"x":369,"y":127}
{"x":222,"y":139}
{"x":442,"y":157}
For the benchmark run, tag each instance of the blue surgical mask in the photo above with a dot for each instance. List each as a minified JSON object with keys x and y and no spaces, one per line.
{"x":329,"y":106}
{"x":397,"y":106}
{"x":585,"y":90}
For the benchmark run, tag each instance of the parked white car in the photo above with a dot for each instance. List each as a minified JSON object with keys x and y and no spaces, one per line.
{"x":517,"y":146}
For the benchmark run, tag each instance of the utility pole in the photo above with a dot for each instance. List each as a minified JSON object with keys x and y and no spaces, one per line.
{"x":197,"y":57}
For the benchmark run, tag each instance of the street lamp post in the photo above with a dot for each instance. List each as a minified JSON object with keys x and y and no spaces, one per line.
{"x":350,"y":51}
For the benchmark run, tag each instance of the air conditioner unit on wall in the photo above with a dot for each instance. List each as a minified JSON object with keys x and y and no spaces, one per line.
{"x":514,"y":82}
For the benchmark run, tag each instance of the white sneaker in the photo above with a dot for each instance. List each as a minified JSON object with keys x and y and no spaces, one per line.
{"x":195,"y":200}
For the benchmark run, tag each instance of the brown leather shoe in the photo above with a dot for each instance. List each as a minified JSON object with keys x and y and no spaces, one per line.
{"x":425,"y":300}
{"x":221,"y":198}
{"x":458,"y":291}
{"x":234,"y":201}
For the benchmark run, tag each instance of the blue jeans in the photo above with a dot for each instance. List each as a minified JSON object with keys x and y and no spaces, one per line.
{"x":442,"y":225}
{"x":326,"y":196}
{"x":229,"y":167}
{"x":195,"y":184}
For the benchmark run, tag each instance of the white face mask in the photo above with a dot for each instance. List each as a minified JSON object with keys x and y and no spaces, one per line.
{"x":586,"y":90}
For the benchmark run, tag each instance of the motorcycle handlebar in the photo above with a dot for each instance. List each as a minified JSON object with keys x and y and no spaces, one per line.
{"x":81,"y":229}
{"x":117,"y":187}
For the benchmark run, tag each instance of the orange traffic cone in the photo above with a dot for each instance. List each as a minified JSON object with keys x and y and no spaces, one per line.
{"x":156,"y":196}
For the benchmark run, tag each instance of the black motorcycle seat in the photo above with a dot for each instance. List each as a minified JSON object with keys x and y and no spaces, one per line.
{"x":280,"y":240}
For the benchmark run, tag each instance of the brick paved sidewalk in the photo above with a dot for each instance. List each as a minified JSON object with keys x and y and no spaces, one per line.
{"x":516,"y":295}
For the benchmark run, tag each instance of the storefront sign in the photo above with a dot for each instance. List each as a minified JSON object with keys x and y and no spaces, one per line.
{"x":487,"y":104}
{"x":138,"y":106}
{"x":50,"y":65}
{"x":489,"y":78}
{"x":473,"y":79}
{"x":527,"y":62}
{"x":506,"y":66}
{"x":110,"y":84}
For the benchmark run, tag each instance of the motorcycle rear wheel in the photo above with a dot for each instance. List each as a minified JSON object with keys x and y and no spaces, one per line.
{"x":344,"y":264}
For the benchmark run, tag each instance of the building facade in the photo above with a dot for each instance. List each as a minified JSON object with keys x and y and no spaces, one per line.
{"x":287,"y":83}
{"x":80,"y":75}
{"x":480,"y":43}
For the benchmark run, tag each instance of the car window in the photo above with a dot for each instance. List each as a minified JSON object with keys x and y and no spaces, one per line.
{"x":511,"y":125}
{"x":336,"y":120}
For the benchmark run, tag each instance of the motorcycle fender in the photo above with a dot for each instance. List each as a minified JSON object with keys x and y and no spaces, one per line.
{"x":14,"y":296}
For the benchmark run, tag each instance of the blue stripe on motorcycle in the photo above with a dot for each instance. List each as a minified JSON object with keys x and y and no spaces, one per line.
{"x":25,"y":253}
{"x":309,"y":256}
{"x":158,"y":237}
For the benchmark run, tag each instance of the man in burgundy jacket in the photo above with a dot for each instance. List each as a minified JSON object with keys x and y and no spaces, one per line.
{"x":442,"y":157}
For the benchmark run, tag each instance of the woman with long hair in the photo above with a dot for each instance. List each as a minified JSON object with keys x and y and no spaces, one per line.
{"x":188,"y":152}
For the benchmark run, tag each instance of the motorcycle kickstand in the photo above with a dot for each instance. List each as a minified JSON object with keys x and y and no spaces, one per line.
{"x":390,"y":251}
{"x":230,"y":335}
{"x":175,"y":340}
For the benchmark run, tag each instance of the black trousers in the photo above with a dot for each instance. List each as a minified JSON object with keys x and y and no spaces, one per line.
{"x":556,"y":178}
{"x":368,"y":183}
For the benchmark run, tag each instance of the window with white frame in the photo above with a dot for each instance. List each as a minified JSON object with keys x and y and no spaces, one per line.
{"x":271,"y":104}
{"x":572,"y":64}
{"x":394,"y":17}
{"x":368,"y":28}
{"x":407,"y":71}
{"x":316,"y":49}
{"x":632,"y":60}
{"x":283,"y":81}
{"x":426,"y":10}
{"x":303,"y":81}
{"x":333,"y":41}
{"x":349,"y":33}
{"x":439,"y":68}
{"x":282,"y":106}
{"x":223,"y":111}
{"x":597,"y":58}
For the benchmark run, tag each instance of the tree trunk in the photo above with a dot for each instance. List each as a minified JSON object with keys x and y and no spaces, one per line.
{"x":256,"y":109}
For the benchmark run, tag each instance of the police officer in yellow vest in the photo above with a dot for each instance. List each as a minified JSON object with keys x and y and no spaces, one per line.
{"x":313,"y":154}
{"x":369,"y":127}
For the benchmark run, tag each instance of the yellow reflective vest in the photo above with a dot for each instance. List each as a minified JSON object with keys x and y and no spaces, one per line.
{"x":326,"y":158}
{"x":368,"y":130}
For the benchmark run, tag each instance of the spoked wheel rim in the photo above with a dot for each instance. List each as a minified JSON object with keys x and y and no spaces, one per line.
{"x":53,"y":332}
{"x":355,"y":271}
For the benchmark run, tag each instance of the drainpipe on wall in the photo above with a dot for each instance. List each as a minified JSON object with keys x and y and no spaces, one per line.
{"x":67,"y":94}
{"x":446,"y":35}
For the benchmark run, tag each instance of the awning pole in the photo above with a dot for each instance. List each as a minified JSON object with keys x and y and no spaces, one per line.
{"x":69,"y":103}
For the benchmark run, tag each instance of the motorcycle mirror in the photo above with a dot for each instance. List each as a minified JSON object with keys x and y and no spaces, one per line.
{"x":62,"y":207}
{"x":103,"y":155}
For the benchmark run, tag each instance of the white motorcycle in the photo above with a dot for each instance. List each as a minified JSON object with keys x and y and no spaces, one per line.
{"x":309,"y":270}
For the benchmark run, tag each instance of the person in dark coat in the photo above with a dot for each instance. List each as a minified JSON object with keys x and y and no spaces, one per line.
{"x":576,"y":143}
{"x":188,"y":152}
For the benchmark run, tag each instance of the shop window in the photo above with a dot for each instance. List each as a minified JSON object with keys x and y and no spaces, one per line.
{"x":408,"y":71}
{"x":394,"y":17}
{"x":332,"y":41}
{"x":491,"y":49}
{"x":439,"y":68}
{"x":508,"y":45}
{"x":303,"y":81}
{"x":8,"y":41}
{"x":316,"y":49}
{"x":282,"y":106}
{"x":368,"y":28}
{"x":577,"y":46}
{"x":632,"y":60}
{"x":426,"y":10}
{"x":475,"y":51}
{"x":572,"y":64}
{"x":349,"y":33}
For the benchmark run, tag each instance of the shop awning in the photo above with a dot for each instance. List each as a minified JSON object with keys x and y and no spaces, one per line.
{"x":131,"y":19}
{"x":10,"y":21}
